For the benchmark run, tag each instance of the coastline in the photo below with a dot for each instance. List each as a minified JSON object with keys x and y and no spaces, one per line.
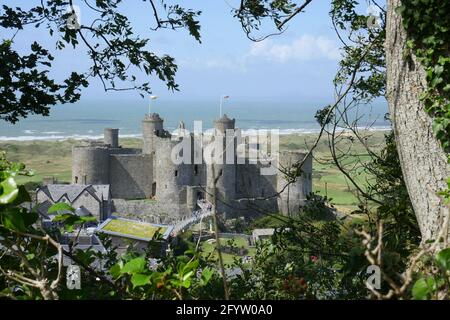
{"x":59,"y":136}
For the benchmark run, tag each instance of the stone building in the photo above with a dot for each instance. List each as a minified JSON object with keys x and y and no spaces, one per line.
{"x":87,"y":200}
{"x":176,"y":179}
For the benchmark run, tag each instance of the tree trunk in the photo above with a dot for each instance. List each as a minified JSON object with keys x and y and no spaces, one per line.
{"x":423,"y":161}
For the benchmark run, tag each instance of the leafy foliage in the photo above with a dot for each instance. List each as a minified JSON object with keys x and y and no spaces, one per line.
{"x":428,"y":37}
{"x":116,"y":53}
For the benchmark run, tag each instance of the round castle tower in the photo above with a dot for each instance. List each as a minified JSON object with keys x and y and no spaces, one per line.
{"x":152,"y":126}
{"x":111,"y":137}
{"x":224,"y":169}
{"x":90,"y":164}
{"x":294,"y":194}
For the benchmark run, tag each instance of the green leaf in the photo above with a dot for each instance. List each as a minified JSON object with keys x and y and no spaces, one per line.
{"x":423,"y":287}
{"x":188,"y":275}
{"x":139,"y":279}
{"x":207,"y":273}
{"x":191,"y":265}
{"x":443,"y":259}
{"x":114,"y":271}
{"x":136,"y":265}
{"x":30,"y":217}
{"x":13,"y":220}
{"x":59,"y":207}
{"x":9,"y":191}
{"x":63,"y":217}
{"x":186,"y":283}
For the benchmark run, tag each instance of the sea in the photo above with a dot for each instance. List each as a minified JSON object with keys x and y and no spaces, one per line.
{"x":87,"y":119}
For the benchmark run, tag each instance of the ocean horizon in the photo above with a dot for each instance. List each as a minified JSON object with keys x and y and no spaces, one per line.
{"x":87,"y":119}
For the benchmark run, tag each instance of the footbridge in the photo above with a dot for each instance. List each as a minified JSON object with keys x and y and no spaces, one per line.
{"x":204,"y":211}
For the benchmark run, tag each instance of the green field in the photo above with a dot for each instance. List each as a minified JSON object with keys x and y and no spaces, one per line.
{"x":53,"y":159}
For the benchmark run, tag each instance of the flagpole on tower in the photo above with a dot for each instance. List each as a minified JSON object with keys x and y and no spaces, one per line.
{"x":221,"y":103}
{"x":150,"y":104}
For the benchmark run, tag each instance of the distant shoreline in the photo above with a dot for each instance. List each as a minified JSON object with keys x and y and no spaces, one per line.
{"x":58,"y":136}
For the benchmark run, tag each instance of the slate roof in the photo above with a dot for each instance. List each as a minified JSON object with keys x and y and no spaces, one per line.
{"x":72,"y":191}
{"x":43,"y":207}
{"x":83,"y":212}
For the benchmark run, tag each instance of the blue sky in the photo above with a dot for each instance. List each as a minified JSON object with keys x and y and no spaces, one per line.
{"x":297,"y":65}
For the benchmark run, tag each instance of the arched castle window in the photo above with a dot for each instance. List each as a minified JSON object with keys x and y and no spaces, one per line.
{"x":195,"y":169}
{"x":76,"y":179}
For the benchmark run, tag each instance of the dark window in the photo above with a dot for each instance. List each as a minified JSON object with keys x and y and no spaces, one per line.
{"x":153,"y":189}
{"x":76,"y":179}
{"x":176,"y":173}
{"x":195,"y":169}
{"x":220,"y":172}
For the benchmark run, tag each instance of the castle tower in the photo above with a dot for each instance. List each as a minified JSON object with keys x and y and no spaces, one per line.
{"x":293,"y":195}
{"x":224,"y":164}
{"x":111,"y":137}
{"x":90,"y":164}
{"x":152,"y":126}
{"x":171,"y":174}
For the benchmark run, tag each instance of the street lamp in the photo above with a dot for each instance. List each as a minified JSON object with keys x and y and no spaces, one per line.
{"x":150,"y":103}
{"x":221,"y":102}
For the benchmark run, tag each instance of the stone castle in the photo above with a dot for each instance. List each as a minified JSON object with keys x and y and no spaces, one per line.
{"x":174,"y":187}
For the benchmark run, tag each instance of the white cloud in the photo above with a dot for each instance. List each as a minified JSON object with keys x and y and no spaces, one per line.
{"x":305,"y":48}
{"x":230,"y":63}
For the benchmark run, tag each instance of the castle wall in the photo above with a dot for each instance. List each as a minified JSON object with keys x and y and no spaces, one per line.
{"x":164,"y":212}
{"x":251,"y":183}
{"x":131,"y":176}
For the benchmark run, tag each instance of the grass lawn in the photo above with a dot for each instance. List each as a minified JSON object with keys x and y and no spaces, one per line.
{"x":228,"y":259}
{"x":137,"y":229}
